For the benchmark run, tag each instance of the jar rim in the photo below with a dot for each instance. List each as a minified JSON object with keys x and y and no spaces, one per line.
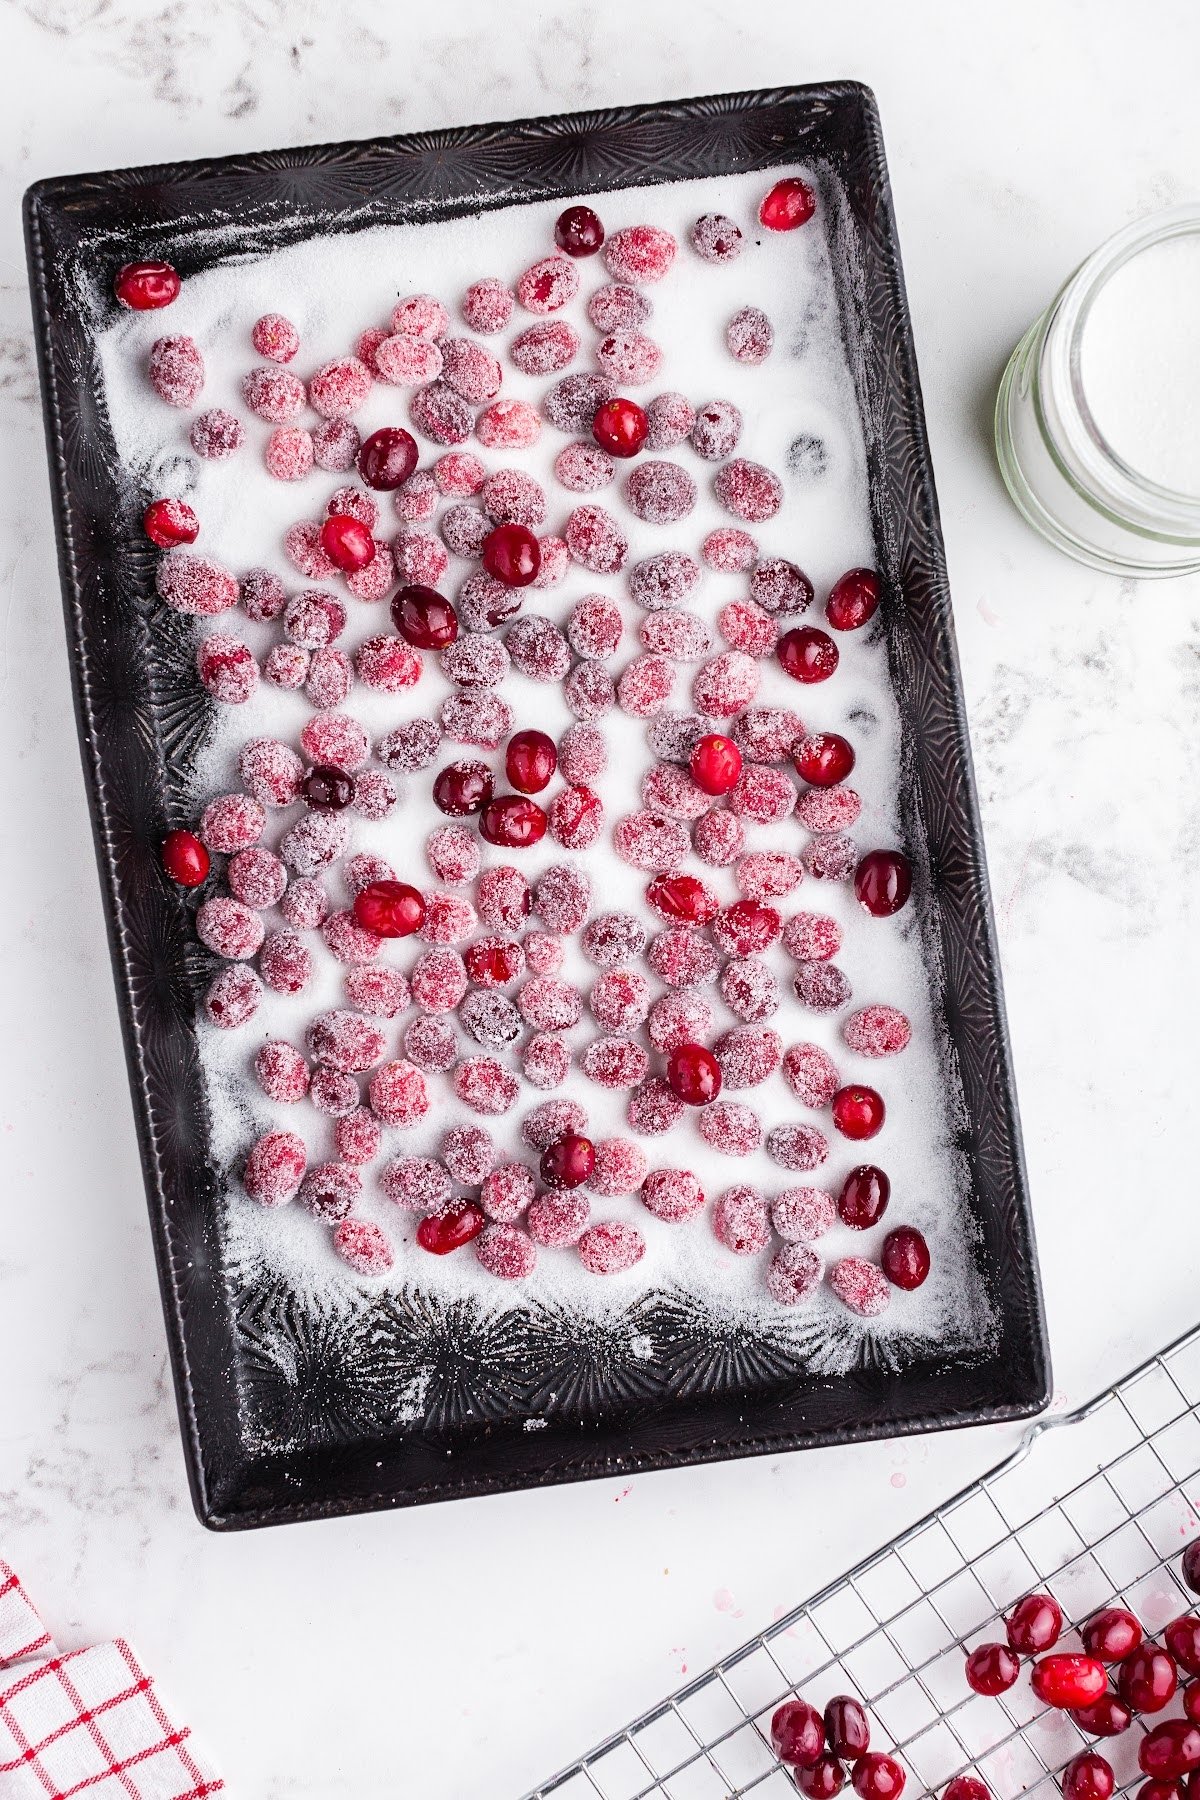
{"x":1090,"y":460}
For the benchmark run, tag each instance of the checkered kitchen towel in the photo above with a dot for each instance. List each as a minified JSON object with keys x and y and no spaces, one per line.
{"x":86,"y":1722}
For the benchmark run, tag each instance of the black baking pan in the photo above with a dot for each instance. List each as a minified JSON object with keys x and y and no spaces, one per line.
{"x":289,"y":1413}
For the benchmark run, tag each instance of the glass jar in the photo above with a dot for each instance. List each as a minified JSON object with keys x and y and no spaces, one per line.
{"x":1063,"y":473}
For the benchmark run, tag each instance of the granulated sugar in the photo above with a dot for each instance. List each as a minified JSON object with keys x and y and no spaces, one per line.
{"x":801,"y":422}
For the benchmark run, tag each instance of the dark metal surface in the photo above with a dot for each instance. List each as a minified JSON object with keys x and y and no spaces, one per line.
{"x":288,"y":1413}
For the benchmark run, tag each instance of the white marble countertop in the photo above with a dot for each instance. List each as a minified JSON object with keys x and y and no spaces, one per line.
{"x":377,"y":1655}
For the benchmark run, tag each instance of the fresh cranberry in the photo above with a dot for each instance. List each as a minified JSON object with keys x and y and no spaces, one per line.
{"x":578,"y":231}
{"x":1190,"y":1567}
{"x":1183,"y":1641}
{"x":693,"y":1074}
{"x":798,"y":1733}
{"x":1068,"y":1682}
{"x":568,"y":1161}
{"x":858,"y":1112}
{"x":807,"y":654}
{"x":847,"y":1728}
{"x":853,"y":600}
{"x":788,"y":204}
{"x":185,"y":859}
{"x":463,"y":788}
{"x":327,"y":789}
{"x":1034,"y":1624}
{"x":966,"y":1787}
{"x":390,"y":909}
{"x":511,"y":555}
{"x":716,"y":764}
{"x":1105,"y":1717}
{"x":883,"y":882}
{"x":387,"y":458}
{"x":825,"y":1779}
{"x":347,"y":542}
{"x":424,"y":619}
{"x":169,"y":523}
{"x":1170,"y":1790}
{"x":1191,"y":1701}
{"x":992,"y":1669}
{"x":864,"y":1197}
{"x":1147,"y":1679}
{"x":145,"y":286}
{"x":442,"y":1232}
{"x":682,"y":897}
{"x":1111,"y":1635}
{"x":1088,"y":1777}
{"x":513,"y":822}
{"x":905,"y":1257}
{"x":620,"y":427}
{"x":824,"y":759}
{"x":877,"y":1777}
{"x":530,"y":761}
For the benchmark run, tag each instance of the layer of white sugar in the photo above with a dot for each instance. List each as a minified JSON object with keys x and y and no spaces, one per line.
{"x":1140,"y":363}
{"x":334,"y":287}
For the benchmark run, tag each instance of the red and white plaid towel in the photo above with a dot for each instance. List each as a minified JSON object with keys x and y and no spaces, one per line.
{"x":85,"y":1722}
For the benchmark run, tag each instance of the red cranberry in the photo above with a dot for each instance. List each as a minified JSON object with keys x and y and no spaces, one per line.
{"x":1170,"y":1790}
{"x":145,"y":286}
{"x":853,"y":600}
{"x":1190,"y":1567}
{"x":716,"y":764}
{"x":578,"y":231}
{"x":877,"y":1777}
{"x":682,"y":897}
{"x":992,"y":1669}
{"x":327,"y":789}
{"x":442,"y":1232}
{"x":511,"y":555}
{"x":620,"y":427}
{"x":424,"y":619}
{"x":390,"y":909}
{"x":858,"y":1112}
{"x":788,"y":204}
{"x":1191,"y":1701}
{"x":1170,"y":1751}
{"x":347,"y":542}
{"x":530,"y":761}
{"x":825,"y":1779}
{"x":824,"y":759}
{"x":568,"y":1162}
{"x":1183,"y":1641}
{"x":513,"y":822}
{"x":847,"y":1728}
{"x":883,"y":882}
{"x":1068,"y":1682}
{"x":798,"y":1733}
{"x":1034,"y":1624}
{"x":966,"y":1787}
{"x":1105,"y":1717}
{"x":1147,"y":1679}
{"x":905,"y":1257}
{"x":807,"y":654}
{"x":462,"y":788}
{"x":864,"y":1197}
{"x":387,"y":458}
{"x":169,"y":523}
{"x":185,"y":859}
{"x":693,"y":1074}
{"x":1088,"y":1777}
{"x":1112,"y":1634}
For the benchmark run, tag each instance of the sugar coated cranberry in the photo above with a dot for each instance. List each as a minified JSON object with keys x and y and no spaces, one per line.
{"x":807,"y":654}
{"x":442,"y":1232}
{"x":1190,"y":1566}
{"x":463,"y":788}
{"x":877,"y":1031}
{"x":216,"y":434}
{"x":858,"y":1112}
{"x":511,"y":555}
{"x":825,"y":1779}
{"x":717,"y":238}
{"x":905,"y":1257}
{"x":185,"y":859}
{"x":168,"y":523}
{"x":992,"y":1669}
{"x":824,"y":758}
{"x":750,"y":335}
{"x":347,"y":542}
{"x":513,"y":822}
{"x":1068,"y":1681}
{"x":620,"y":427}
{"x":639,"y":253}
{"x":1170,"y":1751}
{"x":864,"y":1197}
{"x":363,"y":1246}
{"x":877,"y":1777}
{"x":791,"y":202}
{"x":853,"y":600}
{"x":742,"y":1223}
{"x":1111,"y":1634}
{"x":883,"y":882}
{"x":694,"y":1074}
{"x":715,"y":764}
{"x":1105,"y":1717}
{"x":847,"y":1729}
{"x":1088,"y":1777}
{"x":798,"y":1733}
{"x":146,"y":286}
{"x":1147,"y":1679}
{"x":530,"y":761}
{"x":611,"y":1247}
{"x":389,"y":909}
{"x":275,"y":1168}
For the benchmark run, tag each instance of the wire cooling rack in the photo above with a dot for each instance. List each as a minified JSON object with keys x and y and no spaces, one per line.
{"x":1094,"y":1506}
